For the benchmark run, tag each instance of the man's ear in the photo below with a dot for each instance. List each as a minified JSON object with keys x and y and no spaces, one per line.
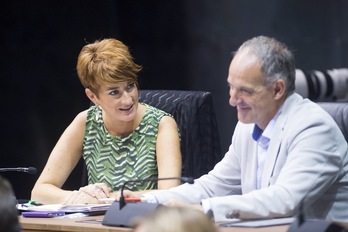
{"x":279,"y":89}
{"x":92,"y":96}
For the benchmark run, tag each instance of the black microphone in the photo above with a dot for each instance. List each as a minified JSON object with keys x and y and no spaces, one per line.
{"x":30,"y":170}
{"x":122,"y":200}
{"x":301,"y":224}
{"x":122,"y":214}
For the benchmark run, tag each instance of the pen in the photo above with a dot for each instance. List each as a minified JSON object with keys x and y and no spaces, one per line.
{"x":133,"y":199}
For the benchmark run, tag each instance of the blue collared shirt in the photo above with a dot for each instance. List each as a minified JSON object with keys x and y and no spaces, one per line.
{"x":263,"y":138}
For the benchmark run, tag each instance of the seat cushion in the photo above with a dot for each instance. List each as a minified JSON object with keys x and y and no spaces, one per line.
{"x":339,"y":112}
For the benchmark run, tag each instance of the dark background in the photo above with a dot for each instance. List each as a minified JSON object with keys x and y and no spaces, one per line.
{"x":181,"y":44}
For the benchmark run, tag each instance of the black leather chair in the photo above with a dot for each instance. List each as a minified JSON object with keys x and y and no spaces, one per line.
{"x":195,"y":115}
{"x":339,"y":112}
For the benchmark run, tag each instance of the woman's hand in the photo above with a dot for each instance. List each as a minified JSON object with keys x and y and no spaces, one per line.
{"x":89,"y":194}
{"x":98,"y":190}
{"x":79,"y":197}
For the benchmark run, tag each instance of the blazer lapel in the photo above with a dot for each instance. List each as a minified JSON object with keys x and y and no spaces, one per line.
{"x":271,"y":159}
{"x":276,"y":140}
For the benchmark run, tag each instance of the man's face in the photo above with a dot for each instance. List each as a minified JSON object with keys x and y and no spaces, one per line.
{"x":255,"y":102}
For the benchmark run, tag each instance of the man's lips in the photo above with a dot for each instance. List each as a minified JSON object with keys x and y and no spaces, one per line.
{"x":243,"y":108}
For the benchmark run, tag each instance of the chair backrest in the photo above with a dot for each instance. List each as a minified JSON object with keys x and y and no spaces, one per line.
{"x":195,"y":115}
{"x":339,"y":112}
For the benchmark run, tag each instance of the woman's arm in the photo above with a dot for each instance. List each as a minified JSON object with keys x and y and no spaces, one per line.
{"x":60,"y":164}
{"x":168,"y":152}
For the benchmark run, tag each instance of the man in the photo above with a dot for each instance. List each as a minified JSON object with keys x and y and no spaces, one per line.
{"x":285,"y":151}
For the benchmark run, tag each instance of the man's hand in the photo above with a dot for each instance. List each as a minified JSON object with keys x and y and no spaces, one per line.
{"x":178,"y":203}
{"x":127,"y":194}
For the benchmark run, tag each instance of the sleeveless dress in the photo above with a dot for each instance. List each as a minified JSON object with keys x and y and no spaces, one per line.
{"x":116,"y":159}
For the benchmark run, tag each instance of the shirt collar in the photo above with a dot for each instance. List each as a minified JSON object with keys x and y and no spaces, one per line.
{"x":257,"y":132}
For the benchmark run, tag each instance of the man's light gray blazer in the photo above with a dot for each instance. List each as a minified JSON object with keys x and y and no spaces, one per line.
{"x":307,"y":160}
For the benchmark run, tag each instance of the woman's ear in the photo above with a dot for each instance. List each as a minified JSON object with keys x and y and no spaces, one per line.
{"x":279,"y":89}
{"x":92,"y":96}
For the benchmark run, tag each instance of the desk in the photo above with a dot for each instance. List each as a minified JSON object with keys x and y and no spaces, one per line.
{"x":66,"y":224}
{"x":72,"y":225}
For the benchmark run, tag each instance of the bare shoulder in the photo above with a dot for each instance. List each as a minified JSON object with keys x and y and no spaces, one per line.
{"x":81,"y":117}
{"x":79,"y":121}
{"x":167,"y":121}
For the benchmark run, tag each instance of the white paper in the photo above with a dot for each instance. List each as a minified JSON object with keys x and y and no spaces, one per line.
{"x":258,"y":222}
{"x":65,"y":208}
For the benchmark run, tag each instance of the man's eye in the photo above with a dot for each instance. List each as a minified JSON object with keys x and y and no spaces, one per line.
{"x":245,"y":91}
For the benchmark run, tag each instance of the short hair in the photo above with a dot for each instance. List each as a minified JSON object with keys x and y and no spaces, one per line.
{"x":177,"y":219}
{"x":107,"y":61}
{"x":8,"y":211}
{"x":276,"y":60}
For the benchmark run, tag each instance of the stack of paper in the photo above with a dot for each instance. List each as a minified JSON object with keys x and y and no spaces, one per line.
{"x":84,"y":208}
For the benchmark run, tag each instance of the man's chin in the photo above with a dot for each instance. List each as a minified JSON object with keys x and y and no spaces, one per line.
{"x":244,"y":120}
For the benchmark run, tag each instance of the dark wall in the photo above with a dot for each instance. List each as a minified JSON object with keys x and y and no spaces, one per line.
{"x":182,"y":44}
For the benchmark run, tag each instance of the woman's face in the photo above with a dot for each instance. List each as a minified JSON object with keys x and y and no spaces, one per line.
{"x":119,"y":101}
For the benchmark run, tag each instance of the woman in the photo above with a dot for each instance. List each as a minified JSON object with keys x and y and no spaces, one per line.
{"x":119,"y":138}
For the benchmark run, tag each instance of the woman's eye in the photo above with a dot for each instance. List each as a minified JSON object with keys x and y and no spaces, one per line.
{"x":131,"y":86}
{"x":113,"y":93}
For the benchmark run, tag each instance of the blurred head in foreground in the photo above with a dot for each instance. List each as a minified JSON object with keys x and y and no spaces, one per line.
{"x":8,"y":211}
{"x":176,"y":219}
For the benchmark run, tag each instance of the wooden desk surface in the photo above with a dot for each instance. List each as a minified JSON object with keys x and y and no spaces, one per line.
{"x":75,"y":225}
{"x":66,"y":224}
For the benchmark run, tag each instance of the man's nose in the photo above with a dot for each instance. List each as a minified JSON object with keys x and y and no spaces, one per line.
{"x":233,"y":97}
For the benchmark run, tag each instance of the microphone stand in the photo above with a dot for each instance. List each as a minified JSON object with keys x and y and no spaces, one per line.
{"x":300,"y":224}
{"x":122,"y":199}
{"x":123,"y":214}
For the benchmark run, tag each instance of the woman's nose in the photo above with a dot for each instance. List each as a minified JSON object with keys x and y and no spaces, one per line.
{"x":126,"y":98}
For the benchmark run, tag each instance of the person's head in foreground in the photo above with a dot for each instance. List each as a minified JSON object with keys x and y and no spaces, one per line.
{"x":175,"y":219}
{"x":8,"y":211}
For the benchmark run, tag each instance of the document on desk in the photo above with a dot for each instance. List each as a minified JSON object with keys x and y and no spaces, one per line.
{"x":258,"y":222}
{"x":83,"y":208}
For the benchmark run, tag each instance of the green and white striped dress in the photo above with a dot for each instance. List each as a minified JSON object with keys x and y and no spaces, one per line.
{"x":116,"y":159}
